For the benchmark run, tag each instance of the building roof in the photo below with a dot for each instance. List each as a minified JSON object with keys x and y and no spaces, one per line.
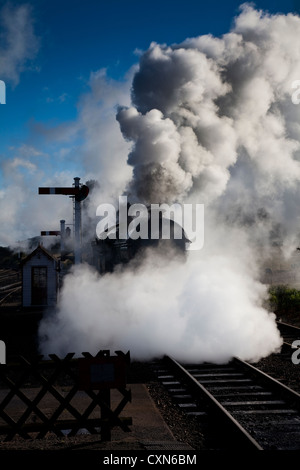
{"x":40,"y":248}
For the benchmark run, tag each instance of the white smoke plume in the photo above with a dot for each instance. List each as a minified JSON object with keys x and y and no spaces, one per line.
{"x":208,"y":308}
{"x":211,"y":121}
{"x":24,"y":213}
{"x":19,"y":44}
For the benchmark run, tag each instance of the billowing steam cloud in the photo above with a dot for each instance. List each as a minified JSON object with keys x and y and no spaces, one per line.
{"x":20,"y":45}
{"x":206,"y":309}
{"x":211,"y":121}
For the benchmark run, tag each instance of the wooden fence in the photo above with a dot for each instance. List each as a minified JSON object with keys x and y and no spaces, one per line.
{"x":64,"y":395}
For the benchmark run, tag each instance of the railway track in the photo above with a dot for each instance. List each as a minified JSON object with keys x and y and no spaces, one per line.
{"x":10,"y":284}
{"x":289,"y":333}
{"x":236,"y":404}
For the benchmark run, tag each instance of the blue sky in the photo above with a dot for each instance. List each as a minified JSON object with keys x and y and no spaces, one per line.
{"x":48,"y":81}
{"x":78,"y":37}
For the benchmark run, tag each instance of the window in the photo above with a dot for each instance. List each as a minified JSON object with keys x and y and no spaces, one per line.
{"x":39,"y":285}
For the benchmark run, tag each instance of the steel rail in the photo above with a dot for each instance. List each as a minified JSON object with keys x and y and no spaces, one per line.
{"x":274,"y":419}
{"x":288,"y":332}
{"x":290,"y":395}
{"x":215,"y":405}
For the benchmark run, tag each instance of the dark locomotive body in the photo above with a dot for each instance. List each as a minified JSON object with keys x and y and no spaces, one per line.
{"x":113,"y":251}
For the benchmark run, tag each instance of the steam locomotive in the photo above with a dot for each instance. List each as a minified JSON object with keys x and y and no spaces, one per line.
{"x":110,"y":250}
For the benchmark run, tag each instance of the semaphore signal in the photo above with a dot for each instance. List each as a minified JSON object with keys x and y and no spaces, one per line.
{"x":46,"y":233}
{"x":78,"y":192}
